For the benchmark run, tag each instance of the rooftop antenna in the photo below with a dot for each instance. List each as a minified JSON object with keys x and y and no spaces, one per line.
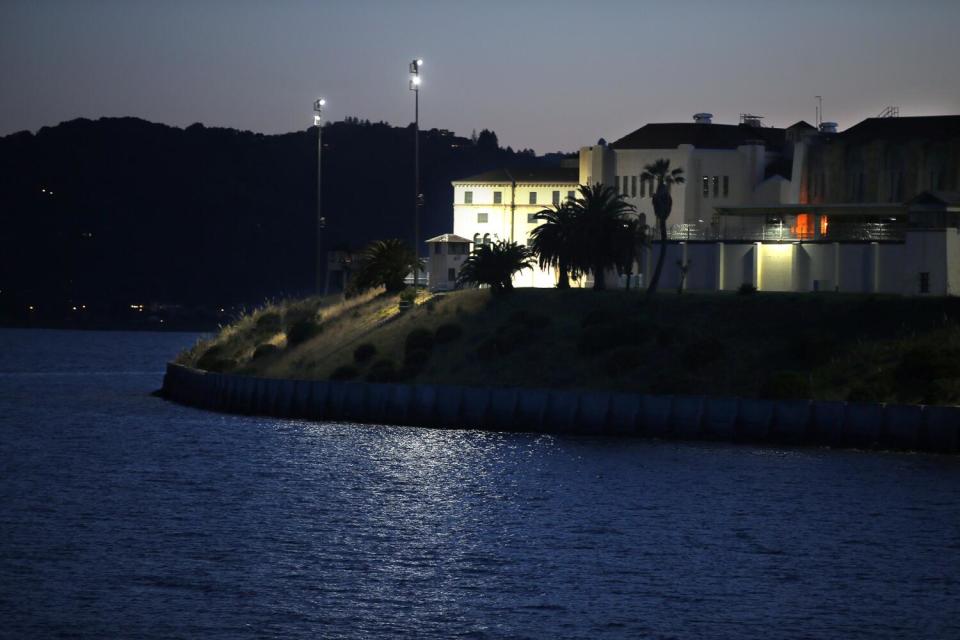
{"x":819,"y":110}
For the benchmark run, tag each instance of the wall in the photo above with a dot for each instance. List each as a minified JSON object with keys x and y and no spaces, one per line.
{"x":595,"y":413}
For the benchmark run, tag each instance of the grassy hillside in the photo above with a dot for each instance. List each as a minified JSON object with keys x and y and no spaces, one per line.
{"x":826,"y":346}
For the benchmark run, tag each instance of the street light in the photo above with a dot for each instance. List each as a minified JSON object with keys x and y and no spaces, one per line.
{"x":417,"y":197}
{"x":321,"y":221}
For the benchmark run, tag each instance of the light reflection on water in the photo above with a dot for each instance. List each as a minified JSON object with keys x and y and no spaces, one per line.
{"x":125,"y":516}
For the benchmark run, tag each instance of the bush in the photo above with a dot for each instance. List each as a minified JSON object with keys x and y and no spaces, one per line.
{"x":922,"y":365}
{"x":746,"y":289}
{"x":344,"y":372}
{"x":448,"y":333}
{"x":703,"y":352}
{"x":302,"y":331}
{"x":270,"y":321}
{"x":530,"y":319}
{"x":364,"y":353}
{"x":419,"y":339}
{"x":416,"y":358}
{"x":786,"y":385}
{"x":409,"y":295}
{"x":215,"y":359}
{"x":265,"y":351}
{"x":383,"y":371}
{"x":624,"y":360}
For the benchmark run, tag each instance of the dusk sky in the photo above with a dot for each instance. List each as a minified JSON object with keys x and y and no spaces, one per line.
{"x":545,"y":75}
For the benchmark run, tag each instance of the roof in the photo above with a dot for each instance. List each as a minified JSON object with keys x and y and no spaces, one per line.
{"x":448,"y":237}
{"x":527,"y":174}
{"x":933,"y":127}
{"x":703,"y":136}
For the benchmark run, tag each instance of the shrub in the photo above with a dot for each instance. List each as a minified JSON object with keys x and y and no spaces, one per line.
{"x":302,"y":331}
{"x":703,"y":352}
{"x":746,"y":289}
{"x":874,"y":389}
{"x":265,"y":351}
{"x":922,"y":365}
{"x":419,"y":339}
{"x":598,"y":316}
{"x":530,"y":319}
{"x":409,"y":295}
{"x":383,"y":371}
{"x":364,"y":353}
{"x":786,"y":385}
{"x":623,"y":360}
{"x":214,"y":359}
{"x":416,"y":358}
{"x":270,"y":321}
{"x":344,"y":372}
{"x":448,"y":333}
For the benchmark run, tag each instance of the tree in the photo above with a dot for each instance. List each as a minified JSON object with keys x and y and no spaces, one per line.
{"x":660,"y":173}
{"x":495,"y":264}
{"x":601,"y":215}
{"x":555,"y":242}
{"x":385,"y":263}
{"x":628,"y":245}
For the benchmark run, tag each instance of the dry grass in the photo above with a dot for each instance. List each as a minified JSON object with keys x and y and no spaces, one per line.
{"x":842,"y":346}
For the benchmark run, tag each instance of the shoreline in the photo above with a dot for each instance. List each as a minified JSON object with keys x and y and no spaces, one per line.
{"x":837,"y":424}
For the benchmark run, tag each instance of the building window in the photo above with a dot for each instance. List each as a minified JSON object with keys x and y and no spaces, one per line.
{"x":726,"y":186}
{"x":451,"y":274}
{"x":533,"y":197}
{"x":468,"y":197}
{"x":482,"y":217}
{"x":633,"y":186}
{"x":643,"y":187}
{"x":486,"y":240}
{"x":497,"y":197}
{"x":571,"y":195}
{"x":616,"y":183}
{"x":476,"y":240}
{"x":706,"y":186}
{"x":625,"y":183}
{"x":924,"y":282}
{"x":716,"y":186}
{"x":556,"y":197}
{"x":532,"y":218}
{"x":436,"y":249}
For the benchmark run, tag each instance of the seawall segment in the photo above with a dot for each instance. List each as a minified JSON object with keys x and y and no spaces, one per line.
{"x":838,"y":424}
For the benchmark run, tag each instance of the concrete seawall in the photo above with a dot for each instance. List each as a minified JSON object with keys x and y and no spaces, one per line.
{"x":839,"y":424}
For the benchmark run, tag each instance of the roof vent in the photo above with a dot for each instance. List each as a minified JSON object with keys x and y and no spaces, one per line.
{"x":751,"y":120}
{"x":828,"y":127}
{"x":703,"y":118}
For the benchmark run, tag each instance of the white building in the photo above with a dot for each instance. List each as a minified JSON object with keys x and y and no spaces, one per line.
{"x":447,"y":252}
{"x":500,"y":205}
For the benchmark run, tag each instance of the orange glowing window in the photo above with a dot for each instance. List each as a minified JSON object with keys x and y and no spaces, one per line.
{"x":804,"y":226}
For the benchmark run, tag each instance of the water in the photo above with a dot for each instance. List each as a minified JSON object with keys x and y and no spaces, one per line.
{"x":122,"y":515}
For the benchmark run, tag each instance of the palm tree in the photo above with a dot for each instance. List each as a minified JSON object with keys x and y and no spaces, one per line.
{"x":555,"y":242}
{"x":495,"y":264}
{"x":659,"y":172}
{"x":385,"y":263}
{"x":601,"y":214}
{"x":628,"y":245}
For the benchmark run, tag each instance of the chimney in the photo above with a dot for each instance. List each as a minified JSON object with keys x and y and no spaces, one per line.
{"x":703,"y":118}
{"x":828,"y":127}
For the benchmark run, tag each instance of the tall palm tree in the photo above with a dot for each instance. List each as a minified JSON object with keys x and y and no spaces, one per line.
{"x":660,"y":173}
{"x":601,"y":214}
{"x":495,"y":264}
{"x":555,"y":242}
{"x":385,"y":263}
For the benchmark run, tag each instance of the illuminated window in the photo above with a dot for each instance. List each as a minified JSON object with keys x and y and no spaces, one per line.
{"x":726,"y":186}
{"x":497,"y":197}
{"x":633,"y":186}
{"x":482,"y":217}
{"x":556,"y":197}
{"x":716,"y":186}
{"x":533,"y":197}
{"x":706,"y":187}
{"x":468,"y":197}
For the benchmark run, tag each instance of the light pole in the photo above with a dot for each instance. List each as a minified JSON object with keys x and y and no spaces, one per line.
{"x":418,"y":198}
{"x":321,"y":221}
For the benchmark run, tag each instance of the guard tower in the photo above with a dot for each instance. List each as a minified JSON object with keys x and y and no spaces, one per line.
{"x":447,"y":255}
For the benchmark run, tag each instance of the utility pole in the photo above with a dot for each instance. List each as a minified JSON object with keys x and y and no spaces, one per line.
{"x":321,"y":221}
{"x":418,"y":198}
